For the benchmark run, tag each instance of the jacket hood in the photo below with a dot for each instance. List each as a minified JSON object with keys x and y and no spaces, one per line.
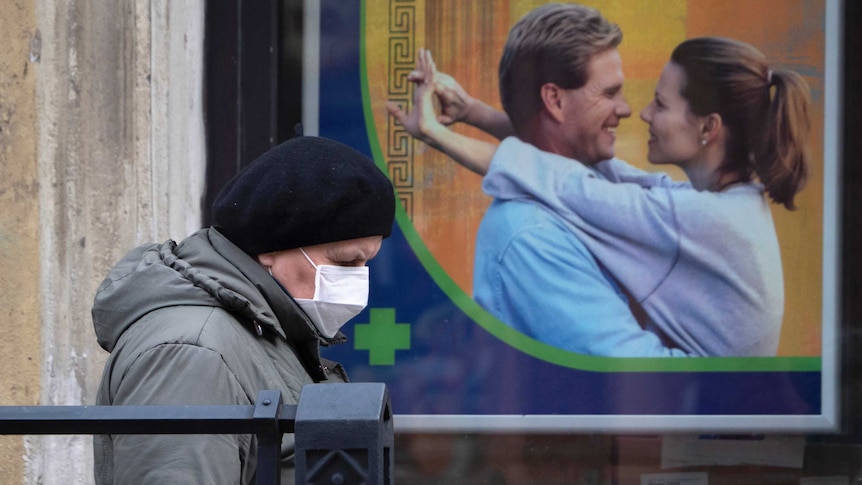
{"x":204,"y":270}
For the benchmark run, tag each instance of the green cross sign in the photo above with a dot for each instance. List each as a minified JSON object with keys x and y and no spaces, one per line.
{"x":382,"y":336}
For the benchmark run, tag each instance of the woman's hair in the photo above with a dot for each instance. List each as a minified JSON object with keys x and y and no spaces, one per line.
{"x":765,"y":111}
{"x":552,"y":43}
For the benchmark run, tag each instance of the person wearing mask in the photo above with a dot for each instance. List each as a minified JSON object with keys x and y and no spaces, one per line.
{"x":239,"y":307}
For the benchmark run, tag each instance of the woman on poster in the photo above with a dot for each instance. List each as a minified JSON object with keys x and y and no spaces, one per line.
{"x":700,"y":257}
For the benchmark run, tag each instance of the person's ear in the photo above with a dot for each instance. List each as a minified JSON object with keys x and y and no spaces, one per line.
{"x":266,"y":259}
{"x":711,"y":127}
{"x":552,"y":99}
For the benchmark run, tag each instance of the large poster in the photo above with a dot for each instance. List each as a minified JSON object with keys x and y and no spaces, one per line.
{"x":448,"y":363}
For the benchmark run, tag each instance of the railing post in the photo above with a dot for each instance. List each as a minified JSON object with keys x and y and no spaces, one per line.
{"x":266,"y":413}
{"x":344,"y":434}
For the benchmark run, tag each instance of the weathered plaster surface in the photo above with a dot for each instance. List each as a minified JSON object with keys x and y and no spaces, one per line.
{"x":113,"y":158}
{"x":20,"y":350}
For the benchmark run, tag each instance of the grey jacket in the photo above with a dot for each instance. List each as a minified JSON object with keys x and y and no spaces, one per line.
{"x":197,"y":323}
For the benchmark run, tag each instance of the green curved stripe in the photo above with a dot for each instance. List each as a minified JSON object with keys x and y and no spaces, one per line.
{"x":531,"y":346}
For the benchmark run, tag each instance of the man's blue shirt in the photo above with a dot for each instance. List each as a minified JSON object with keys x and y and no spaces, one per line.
{"x":535,"y":275}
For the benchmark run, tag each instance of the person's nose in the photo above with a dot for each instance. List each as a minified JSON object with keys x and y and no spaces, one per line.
{"x":645,"y":113}
{"x":623,"y":109}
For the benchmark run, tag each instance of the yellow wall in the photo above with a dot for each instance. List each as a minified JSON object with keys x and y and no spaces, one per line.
{"x":20,"y":322}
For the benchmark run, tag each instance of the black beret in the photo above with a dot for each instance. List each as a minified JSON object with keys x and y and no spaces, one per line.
{"x":308,"y":190}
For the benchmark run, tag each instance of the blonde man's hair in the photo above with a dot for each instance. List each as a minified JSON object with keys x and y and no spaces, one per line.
{"x":553,"y":43}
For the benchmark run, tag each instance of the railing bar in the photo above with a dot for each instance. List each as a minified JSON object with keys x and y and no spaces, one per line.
{"x":68,"y":420}
{"x":327,"y":419}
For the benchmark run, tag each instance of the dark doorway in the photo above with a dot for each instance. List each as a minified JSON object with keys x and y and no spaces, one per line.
{"x":253,"y":84}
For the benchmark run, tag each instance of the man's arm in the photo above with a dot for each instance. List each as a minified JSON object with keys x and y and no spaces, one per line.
{"x":535,"y":275}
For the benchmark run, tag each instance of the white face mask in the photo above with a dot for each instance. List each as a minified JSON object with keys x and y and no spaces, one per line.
{"x":340,"y":293}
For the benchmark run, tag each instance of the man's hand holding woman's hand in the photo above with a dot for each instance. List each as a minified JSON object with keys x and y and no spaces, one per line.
{"x":422,"y":120}
{"x":425,"y":124}
{"x":455,"y":103}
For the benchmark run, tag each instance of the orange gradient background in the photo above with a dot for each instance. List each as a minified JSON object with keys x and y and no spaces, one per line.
{"x":446,"y":202}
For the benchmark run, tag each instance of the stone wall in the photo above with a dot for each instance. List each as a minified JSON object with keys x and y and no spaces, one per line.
{"x":101,"y":148}
{"x":20,"y":316}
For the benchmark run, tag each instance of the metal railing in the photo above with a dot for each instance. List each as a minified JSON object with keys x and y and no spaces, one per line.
{"x":343,"y":432}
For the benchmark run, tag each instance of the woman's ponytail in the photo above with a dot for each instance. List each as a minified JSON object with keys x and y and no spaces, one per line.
{"x":781,"y":163}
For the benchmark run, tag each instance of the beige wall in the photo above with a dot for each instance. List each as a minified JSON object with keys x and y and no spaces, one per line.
{"x":101,"y":148}
{"x":20,"y":349}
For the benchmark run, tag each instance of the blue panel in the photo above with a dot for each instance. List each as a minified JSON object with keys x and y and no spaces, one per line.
{"x":454,"y":366}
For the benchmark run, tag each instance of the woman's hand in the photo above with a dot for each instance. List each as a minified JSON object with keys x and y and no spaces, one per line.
{"x":422,"y":120}
{"x":455,"y":103}
{"x":424,"y":124}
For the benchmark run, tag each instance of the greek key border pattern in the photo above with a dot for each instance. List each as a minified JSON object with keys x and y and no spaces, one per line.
{"x":401,"y":59}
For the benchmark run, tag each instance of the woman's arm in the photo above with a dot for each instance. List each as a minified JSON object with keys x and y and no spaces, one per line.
{"x":538,"y":277}
{"x":618,"y":171}
{"x":632,"y":230}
